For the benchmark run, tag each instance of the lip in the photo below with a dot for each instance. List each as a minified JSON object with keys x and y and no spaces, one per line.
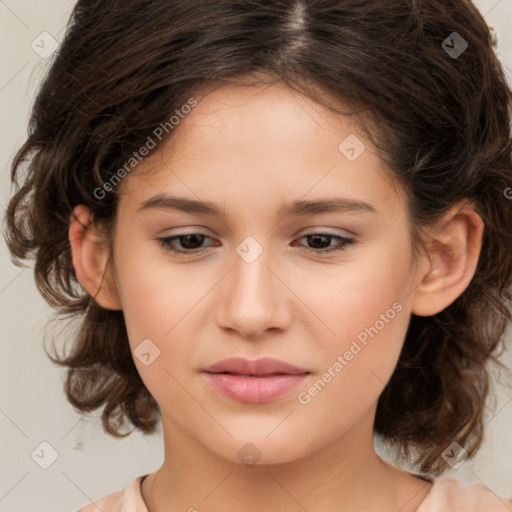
{"x":262,"y":366}
{"x":254,"y":381}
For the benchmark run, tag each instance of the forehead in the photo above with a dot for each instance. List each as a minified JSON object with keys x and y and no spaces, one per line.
{"x":253,"y":115}
{"x":268,"y":142}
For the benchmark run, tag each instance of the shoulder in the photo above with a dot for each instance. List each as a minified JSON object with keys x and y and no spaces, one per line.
{"x":450,"y":495}
{"x":128,"y":499}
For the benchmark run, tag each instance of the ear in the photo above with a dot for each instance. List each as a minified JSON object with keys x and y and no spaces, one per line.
{"x":452,"y":256}
{"x":90,"y":254}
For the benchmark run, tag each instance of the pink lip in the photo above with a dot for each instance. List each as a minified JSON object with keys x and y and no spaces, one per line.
{"x":254,"y":390}
{"x":262,"y":366}
{"x":257,"y":381}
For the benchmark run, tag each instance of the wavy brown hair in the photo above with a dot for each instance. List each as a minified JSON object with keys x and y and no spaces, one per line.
{"x":440,"y":121}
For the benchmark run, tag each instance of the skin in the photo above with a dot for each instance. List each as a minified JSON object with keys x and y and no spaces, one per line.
{"x":249,"y":150}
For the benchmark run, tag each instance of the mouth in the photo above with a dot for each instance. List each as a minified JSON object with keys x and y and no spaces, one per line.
{"x":264,"y":366}
{"x":255,"y":389}
{"x":260,"y":375}
{"x":259,"y":381}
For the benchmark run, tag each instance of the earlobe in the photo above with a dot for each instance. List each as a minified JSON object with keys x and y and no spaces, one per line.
{"x":90,"y":255}
{"x":453,"y":253}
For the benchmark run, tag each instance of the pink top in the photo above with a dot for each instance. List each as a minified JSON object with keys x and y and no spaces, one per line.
{"x":445,"y":495}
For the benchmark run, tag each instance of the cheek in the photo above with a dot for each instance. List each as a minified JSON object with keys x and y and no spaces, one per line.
{"x":160,"y":304}
{"x":356,"y":363}
{"x":351,"y":298}
{"x":152,"y":292}
{"x":366,"y":309}
{"x":155,"y":310}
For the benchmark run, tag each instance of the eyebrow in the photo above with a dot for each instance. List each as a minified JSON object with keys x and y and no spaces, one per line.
{"x":296,"y":208}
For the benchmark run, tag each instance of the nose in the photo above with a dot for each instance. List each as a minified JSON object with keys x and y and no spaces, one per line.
{"x":253,"y":298}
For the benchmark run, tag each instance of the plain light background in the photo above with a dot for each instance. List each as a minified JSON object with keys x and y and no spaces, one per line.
{"x":88,"y":463}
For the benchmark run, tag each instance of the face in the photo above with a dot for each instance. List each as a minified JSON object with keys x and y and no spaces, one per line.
{"x":324,"y":289}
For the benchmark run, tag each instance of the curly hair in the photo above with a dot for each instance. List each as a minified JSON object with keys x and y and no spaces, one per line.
{"x":438,"y":112}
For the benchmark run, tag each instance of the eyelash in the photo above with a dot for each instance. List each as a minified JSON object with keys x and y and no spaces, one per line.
{"x":344,"y":243}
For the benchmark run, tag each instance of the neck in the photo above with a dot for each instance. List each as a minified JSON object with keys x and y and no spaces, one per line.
{"x":345,"y":473}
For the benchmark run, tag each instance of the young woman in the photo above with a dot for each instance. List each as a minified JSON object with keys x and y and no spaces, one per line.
{"x":286,"y":227}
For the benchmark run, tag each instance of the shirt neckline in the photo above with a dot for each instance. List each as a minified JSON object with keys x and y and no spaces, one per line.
{"x":424,"y":478}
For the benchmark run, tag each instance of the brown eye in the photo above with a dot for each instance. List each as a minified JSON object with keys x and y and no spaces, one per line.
{"x":192,"y":243}
{"x":189,"y":242}
{"x":320,"y":242}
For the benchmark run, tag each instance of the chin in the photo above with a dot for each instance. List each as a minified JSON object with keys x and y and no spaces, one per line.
{"x":257,"y":450}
